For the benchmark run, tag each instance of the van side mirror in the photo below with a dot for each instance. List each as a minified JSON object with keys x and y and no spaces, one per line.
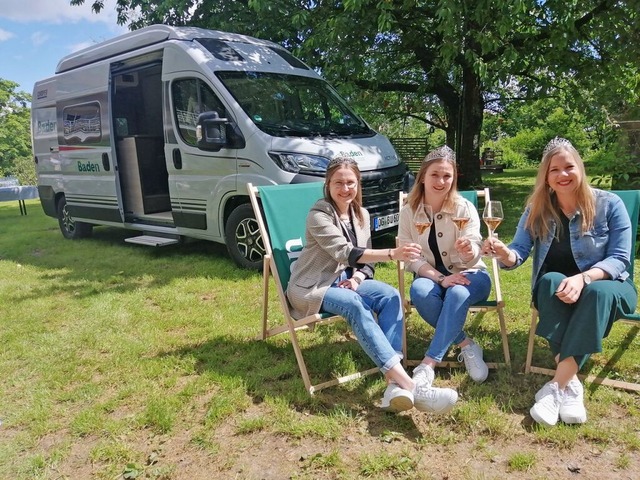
{"x":211,"y":131}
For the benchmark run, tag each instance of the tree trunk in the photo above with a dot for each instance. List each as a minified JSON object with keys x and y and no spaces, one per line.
{"x":469,"y":128}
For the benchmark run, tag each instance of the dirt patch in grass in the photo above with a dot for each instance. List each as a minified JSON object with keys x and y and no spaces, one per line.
{"x":420,"y":448}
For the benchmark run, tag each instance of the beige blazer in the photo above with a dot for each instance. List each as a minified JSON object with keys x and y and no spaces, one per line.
{"x":446,"y":237}
{"x":323,"y":259}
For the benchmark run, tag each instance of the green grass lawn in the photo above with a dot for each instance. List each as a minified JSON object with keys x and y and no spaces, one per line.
{"x":122,"y":361}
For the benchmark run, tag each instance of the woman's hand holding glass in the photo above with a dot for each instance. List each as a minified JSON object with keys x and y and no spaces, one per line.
{"x":492,"y":247}
{"x":408,"y":252}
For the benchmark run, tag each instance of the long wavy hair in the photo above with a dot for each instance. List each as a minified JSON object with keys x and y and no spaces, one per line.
{"x":416,"y":195}
{"x":543,"y":203}
{"x":334,"y":165}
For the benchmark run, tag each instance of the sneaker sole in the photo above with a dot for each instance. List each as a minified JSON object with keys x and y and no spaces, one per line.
{"x":574,"y":419}
{"x":480,"y":379}
{"x":399,"y":404}
{"x":538,"y":419}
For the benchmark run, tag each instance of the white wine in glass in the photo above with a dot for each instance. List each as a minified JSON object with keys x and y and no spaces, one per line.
{"x":460,"y":220}
{"x":492,"y":216}
{"x":423,"y":218}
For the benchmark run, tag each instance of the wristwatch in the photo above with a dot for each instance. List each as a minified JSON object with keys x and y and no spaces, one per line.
{"x":441,"y":277}
{"x":586,"y":279}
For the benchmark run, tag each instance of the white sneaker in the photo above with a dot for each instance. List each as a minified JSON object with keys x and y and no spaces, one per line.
{"x":434,"y":400}
{"x":423,"y":374}
{"x":396,"y":399}
{"x":543,"y":391}
{"x":473,"y":362}
{"x":547,"y":409}
{"x":572,"y":409}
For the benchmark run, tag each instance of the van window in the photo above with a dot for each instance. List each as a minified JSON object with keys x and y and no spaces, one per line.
{"x":292,"y":105}
{"x":191,"y":97}
{"x":82,"y":123}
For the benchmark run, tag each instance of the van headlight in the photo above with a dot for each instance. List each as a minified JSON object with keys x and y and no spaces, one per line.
{"x":300,"y":162}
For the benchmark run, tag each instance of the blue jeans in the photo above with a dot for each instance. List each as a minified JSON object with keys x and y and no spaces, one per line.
{"x":381,"y":340}
{"x":445,"y":309}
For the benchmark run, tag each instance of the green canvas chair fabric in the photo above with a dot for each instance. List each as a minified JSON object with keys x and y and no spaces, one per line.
{"x":631,"y":199}
{"x":494,"y":303}
{"x":281,"y":212}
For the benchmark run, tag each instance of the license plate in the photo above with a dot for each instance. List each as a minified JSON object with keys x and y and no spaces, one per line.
{"x":386,"y":221}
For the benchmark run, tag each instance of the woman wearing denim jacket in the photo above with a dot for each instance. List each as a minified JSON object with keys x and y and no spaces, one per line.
{"x":581,"y":241}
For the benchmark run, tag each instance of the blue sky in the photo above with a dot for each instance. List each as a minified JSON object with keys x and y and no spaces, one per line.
{"x":36,"y":34}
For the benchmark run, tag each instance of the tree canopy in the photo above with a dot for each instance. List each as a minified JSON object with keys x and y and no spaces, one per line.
{"x":444,"y":63}
{"x":15,"y":133}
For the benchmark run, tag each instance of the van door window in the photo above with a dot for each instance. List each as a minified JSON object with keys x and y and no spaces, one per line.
{"x":191,"y":97}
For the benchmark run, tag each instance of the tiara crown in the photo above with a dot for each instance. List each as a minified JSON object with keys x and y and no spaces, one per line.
{"x":341,"y":161}
{"x":555,"y":143}
{"x":443,"y":152}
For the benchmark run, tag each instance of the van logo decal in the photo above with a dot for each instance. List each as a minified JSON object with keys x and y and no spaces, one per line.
{"x":88,"y":167}
{"x":352,"y":153}
{"x":42,"y":94}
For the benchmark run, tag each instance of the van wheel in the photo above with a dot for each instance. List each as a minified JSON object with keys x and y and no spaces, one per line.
{"x":68,"y":226}
{"x":243,"y":238}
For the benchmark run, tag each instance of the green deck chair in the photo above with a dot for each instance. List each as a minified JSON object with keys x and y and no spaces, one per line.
{"x":631,"y":199}
{"x":494,"y":303}
{"x":281,"y":213}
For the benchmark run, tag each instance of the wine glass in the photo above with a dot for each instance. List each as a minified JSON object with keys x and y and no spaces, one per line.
{"x":460,"y":220}
{"x":492,"y":216}
{"x":423,"y":218}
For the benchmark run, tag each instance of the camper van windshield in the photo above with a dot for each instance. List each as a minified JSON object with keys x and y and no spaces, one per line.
{"x":290,"y":105}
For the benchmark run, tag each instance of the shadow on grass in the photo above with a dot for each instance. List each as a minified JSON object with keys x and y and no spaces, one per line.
{"x":268,"y":369}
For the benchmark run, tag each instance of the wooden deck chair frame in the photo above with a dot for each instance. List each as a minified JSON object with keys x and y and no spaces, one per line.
{"x":495,"y":304}
{"x":631,"y":199}
{"x":277,"y":260}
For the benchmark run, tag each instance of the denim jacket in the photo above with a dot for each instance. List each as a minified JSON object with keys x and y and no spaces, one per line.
{"x":606,"y":246}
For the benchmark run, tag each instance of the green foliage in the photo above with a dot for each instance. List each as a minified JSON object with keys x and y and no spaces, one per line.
{"x":447,"y":61}
{"x":613,"y":165}
{"x":523,"y":130}
{"x":15,"y":133}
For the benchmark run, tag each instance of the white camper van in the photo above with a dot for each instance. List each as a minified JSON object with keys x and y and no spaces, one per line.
{"x":159,"y":131}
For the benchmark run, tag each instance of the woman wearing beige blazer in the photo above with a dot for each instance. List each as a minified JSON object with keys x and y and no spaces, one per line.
{"x":334,"y":274}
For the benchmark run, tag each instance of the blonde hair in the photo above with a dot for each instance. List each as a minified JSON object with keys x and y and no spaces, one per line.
{"x":334,"y":165}
{"x":416,"y":195}
{"x":543,"y":203}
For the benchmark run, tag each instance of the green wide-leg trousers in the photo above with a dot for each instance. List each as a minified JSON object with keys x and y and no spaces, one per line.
{"x":576,"y":330}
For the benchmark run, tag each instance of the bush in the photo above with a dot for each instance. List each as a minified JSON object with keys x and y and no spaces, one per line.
{"x":615,"y":166}
{"x":22,"y":168}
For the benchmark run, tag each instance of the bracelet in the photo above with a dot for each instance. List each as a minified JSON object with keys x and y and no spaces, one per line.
{"x":389,"y":253}
{"x":358,"y":280}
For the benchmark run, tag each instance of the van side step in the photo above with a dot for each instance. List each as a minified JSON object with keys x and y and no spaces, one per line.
{"x":152,"y":240}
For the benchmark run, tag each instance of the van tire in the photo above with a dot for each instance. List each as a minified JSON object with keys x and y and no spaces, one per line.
{"x":243,"y":239}
{"x":68,"y":226}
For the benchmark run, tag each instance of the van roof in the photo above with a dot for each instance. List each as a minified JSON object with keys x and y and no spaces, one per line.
{"x":148,"y":36}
